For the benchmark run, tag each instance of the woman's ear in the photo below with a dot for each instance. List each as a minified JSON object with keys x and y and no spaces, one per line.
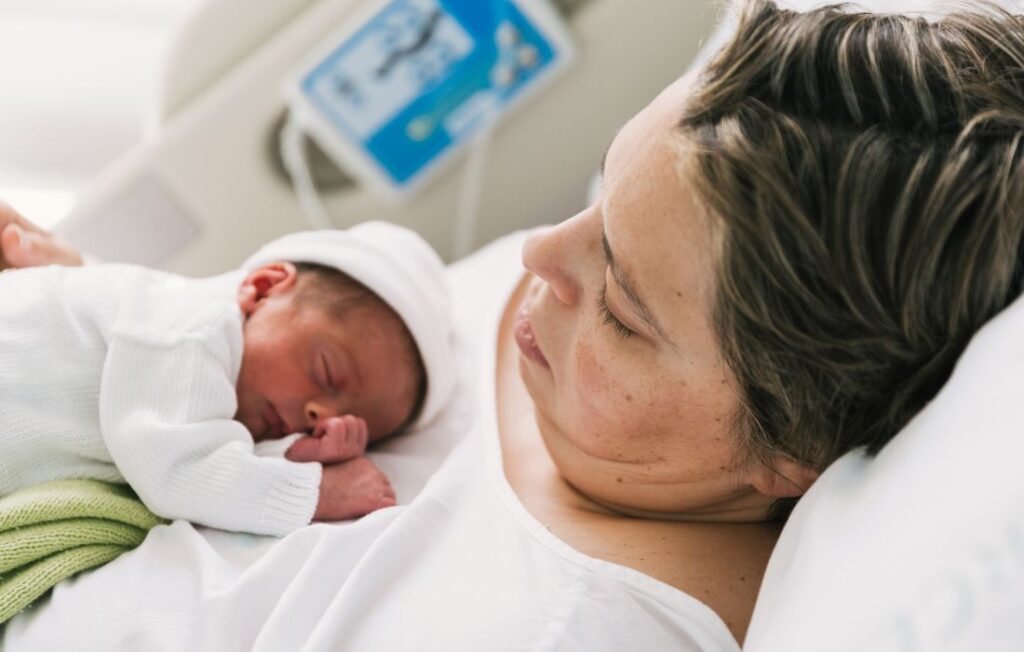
{"x":784,"y":478}
{"x":265,"y":281}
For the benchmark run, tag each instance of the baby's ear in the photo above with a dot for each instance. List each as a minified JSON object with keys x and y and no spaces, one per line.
{"x":264,"y":281}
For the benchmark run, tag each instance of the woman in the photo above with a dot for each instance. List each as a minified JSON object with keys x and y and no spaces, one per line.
{"x":790,"y":250}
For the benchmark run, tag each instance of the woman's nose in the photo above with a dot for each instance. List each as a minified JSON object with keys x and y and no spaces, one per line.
{"x":554,"y":255}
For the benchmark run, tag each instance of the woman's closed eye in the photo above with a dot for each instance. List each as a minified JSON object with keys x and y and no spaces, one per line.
{"x":610,"y":319}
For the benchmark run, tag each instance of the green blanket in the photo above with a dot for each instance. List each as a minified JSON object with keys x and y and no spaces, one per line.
{"x":52,"y":531}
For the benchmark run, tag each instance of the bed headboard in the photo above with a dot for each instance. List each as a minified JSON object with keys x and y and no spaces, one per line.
{"x":208,"y":181}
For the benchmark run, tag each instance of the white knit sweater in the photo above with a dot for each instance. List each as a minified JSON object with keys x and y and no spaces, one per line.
{"x":121,"y":373}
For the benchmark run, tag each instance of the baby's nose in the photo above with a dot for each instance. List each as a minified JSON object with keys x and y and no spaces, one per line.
{"x":316,"y":411}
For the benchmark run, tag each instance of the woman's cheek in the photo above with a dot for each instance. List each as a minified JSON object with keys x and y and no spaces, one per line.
{"x":605,"y":403}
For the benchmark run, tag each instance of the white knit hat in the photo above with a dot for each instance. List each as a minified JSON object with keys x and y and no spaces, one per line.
{"x":403,"y":270}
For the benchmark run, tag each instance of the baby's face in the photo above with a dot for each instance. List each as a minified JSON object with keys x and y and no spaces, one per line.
{"x":302,"y":364}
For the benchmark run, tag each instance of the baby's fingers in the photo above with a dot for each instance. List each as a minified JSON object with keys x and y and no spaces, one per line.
{"x":343,"y":443}
{"x":305,"y":449}
{"x":333,"y":440}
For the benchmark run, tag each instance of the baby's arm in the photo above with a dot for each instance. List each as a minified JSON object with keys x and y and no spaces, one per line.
{"x":352,"y":485}
{"x":165,"y":412}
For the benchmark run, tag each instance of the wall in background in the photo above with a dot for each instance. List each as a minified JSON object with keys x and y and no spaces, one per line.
{"x":75,"y":80}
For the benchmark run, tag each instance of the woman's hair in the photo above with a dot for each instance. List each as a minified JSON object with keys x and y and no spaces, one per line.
{"x":863,"y":175}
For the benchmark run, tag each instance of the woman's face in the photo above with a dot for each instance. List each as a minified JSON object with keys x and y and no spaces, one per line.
{"x":635,"y":404}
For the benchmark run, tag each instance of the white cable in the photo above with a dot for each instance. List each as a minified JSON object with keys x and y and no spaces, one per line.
{"x":294,"y":157}
{"x":470,"y":194}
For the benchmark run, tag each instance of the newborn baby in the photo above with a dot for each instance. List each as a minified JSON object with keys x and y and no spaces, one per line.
{"x":243,"y":401}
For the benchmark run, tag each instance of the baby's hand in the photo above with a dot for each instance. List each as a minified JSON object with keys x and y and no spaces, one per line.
{"x":333,"y":440}
{"x":352,"y":489}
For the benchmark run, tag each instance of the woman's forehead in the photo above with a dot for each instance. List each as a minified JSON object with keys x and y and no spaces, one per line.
{"x":664,"y":113}
{"x":661,"y":115}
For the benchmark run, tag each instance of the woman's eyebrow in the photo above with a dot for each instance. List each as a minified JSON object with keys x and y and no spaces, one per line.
{"x":630,"y":292}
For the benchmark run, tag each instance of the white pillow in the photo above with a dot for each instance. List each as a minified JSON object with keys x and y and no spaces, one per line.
{"x":921,"y":548}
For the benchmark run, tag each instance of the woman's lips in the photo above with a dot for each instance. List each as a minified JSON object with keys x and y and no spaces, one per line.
{"x":526,"y":340}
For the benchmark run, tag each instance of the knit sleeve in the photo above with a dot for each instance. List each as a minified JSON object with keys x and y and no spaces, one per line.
{"x":166,"y":414}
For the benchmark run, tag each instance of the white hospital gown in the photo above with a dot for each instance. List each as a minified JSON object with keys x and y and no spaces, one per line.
{"x":460,"y":565}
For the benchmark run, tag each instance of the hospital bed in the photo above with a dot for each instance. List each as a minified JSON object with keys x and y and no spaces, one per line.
{"x":921,"y":548}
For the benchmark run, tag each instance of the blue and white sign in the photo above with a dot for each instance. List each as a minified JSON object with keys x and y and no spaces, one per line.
{"x":397,"y":91}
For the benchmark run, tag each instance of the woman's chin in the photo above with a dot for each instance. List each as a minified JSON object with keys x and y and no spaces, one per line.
{"x":539,"y":383}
